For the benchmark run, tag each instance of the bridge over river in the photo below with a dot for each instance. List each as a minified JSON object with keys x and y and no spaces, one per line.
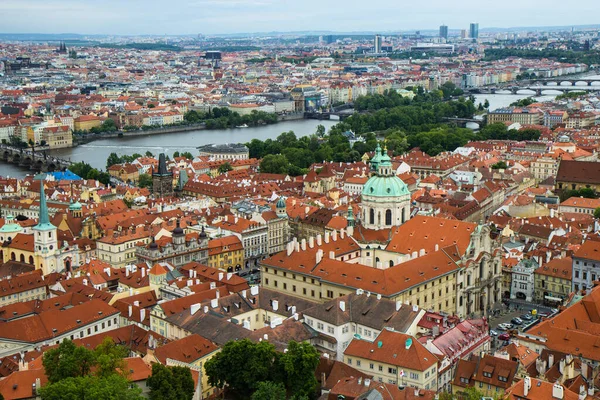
{"x":541,"y":86}
{"x":37,"y":161}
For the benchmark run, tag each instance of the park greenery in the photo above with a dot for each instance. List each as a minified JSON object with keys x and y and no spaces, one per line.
{"x":568,"y":56}
{"x":86,"y":171}
{"x":570,"y":95}
{"x":523,"y":102}
{"x":185,"y":154}
{"x":223,"y":117}
{"x":256,"y":370}
{"x":76,"y":372}
{"x":114,"y":158}
{"x":403,"y":124}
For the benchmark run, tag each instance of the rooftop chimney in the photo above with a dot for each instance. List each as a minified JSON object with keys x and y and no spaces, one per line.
{"x":195,"y":308}
{"x":326,"y":236}
{"x":319,"y":240}
{"x":319,"y":255}
{"x":526,"y":385}
{"x":558,"y":391}
{"x":311,"y":242}
{"x":303,"y":244}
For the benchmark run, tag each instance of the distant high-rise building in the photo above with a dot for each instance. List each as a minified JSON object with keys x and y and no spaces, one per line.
{"x":378,"y":42}
{"x":463,"y":33}
{"x":444,"y":31}
{"x":474,"y":31}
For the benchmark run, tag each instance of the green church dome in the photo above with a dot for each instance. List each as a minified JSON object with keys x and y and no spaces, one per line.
{"x":280,"y":202}
{"x":10,"y":226}
{"x":75,"y":206}
{"x":385,"y":186}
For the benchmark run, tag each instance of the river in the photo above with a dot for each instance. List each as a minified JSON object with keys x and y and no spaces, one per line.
{"x":95,"y":153}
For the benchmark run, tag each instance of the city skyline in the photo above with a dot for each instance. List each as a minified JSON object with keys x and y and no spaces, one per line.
{"x":239,"y":16}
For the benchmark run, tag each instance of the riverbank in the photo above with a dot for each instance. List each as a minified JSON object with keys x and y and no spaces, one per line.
{"x":90,"y":137}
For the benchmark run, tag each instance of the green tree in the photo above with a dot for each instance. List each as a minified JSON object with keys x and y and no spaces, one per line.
{"x":187,"y":155}
{"x":226,"y":366}
{"x":176,"y":154}
{"x":500,"y":165}
{"x":113,"y":158}
{"x":149,"y":154}
{"x":145,"y":181}
{"x":320,"y":131}
{"x":269,"y":391}
{"x":115,"y":387}
{"x":225,"y":167}
{"x":171,"y":383}
{"x":67,"y":361}
{"x":299,"y":363}
{"x":109,"y":357}
{"x":109,"y":125}
{"x":597,"y":213}
{"x":486,"y":104}
{"x":274,"y":164}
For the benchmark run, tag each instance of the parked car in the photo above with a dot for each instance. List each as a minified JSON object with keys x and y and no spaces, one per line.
{"x":504,"y":336}
{"x":543,"y":314}
{"x":554,"y":311}
{"x":517,"y":321}
{"x":501,"y":327}
{"x":526,"y":317}
{"x":509,"y":326}
{"x":493,"y":332}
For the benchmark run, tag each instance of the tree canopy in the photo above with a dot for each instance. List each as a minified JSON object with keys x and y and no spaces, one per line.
{"x":76,"y":372}
{"x":85,"y":171}
{"x":259,"y":371}
{"x":171,"y":383}
{"x":223,"y":117}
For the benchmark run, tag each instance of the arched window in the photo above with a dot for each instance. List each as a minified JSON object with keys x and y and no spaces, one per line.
{"x":372,"y":216}
{"x":391,"y":263}
{"x":403,"y":215}
{"x":22,"y":258}
{"x":31,"y":260}
{"x":13,"y":256}
{"x":388,"y":217}
{"x":379,"y":218}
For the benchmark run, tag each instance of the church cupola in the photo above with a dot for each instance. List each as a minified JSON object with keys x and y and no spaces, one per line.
{"x":281,"y":208}
{"x":385,"y":197}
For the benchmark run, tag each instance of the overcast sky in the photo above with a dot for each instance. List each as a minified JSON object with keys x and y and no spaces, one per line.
{"x":231,"y":16}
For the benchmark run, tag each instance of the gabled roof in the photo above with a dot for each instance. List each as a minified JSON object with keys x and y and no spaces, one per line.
{"x":186,"y":350}
{"x":393,"y":348}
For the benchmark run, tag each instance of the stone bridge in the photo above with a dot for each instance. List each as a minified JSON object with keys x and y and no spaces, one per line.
{"x":38,"y":161}
{"x":464,"y":121}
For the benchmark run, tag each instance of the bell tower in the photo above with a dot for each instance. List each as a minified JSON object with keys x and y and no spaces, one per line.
{"x":162,"y":179}
{"x":45,"y":238}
